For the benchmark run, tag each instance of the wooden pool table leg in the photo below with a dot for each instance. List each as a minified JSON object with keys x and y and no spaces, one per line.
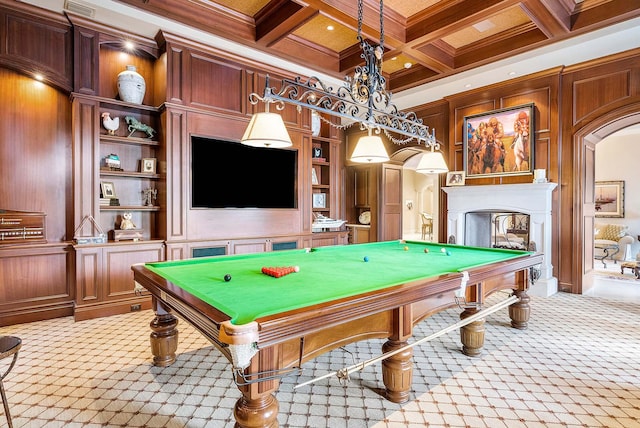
{"x":472,"y":334}
{"x":164,"y":337}
{"x":519,"y":311}
{"x":397,"y":371}
{"x":258,"y":406}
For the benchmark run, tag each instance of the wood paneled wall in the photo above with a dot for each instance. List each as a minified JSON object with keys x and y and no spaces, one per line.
{"x":575,"y":107}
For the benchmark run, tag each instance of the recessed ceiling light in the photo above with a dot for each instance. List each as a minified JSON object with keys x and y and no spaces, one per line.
{"x":128,"y":45}
{"x":512,"y":73}
{"x":407,"y":65}
{"x":468,"y":85}
{"x":39,"y":77}
{"x":483,"y":26}
{"x":394,"y":58}
{"x":330,"y":27}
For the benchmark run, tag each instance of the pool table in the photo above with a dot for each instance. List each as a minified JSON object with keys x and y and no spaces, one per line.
{"x":267,"y":325}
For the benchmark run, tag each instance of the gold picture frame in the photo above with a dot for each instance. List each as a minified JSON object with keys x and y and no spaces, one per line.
{"x":499,"y":142}
{"x":609,"y":199}
{"x":148,"y":165}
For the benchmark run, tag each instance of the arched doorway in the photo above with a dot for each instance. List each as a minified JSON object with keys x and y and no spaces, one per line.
{"x":584,"y":141}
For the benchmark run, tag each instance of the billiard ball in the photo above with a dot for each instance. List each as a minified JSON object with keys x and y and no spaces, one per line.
{"x":443,"y":250}
{"x":366,"y":258}
{"x":227,"y":277}
{"x":426,"y":250}
{"x":296,"y":268}
{"x":448,"y":253}
{"x":406,"y":248}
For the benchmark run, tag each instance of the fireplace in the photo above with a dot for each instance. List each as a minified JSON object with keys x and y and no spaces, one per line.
{"x":491,"y":229}
{"x":471,"y":208}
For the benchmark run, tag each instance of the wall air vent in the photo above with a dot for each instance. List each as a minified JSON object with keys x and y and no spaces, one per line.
{"x":79,"y":8}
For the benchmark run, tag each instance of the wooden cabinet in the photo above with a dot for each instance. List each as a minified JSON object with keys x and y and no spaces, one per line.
{"x":358,"y":233}
{"x":104,"y":280}
{"x":362,"y":201}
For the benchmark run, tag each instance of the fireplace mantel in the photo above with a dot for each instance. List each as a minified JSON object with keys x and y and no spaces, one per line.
{"x":528,"y":198}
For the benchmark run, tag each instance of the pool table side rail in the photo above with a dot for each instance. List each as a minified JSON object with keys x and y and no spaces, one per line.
{"x":281,"y":327}
{"x":190,"y":308}
{"x":278,"y":328}
{"x":299,"y":322}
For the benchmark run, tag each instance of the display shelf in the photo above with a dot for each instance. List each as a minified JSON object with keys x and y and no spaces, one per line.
{"x":128,"y":174}
{"x":106,"y":138}
{"x":129,"y":208}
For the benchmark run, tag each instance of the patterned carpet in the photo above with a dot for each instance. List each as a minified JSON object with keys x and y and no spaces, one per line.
{"x":577,"y":365}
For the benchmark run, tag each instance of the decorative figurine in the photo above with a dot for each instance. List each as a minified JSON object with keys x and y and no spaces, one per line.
{"x":126,"y":223}
{"x":111,"y":125}
{"x":150,"y":195}
{"x":112,"y":162}
{"x":134,"y":125}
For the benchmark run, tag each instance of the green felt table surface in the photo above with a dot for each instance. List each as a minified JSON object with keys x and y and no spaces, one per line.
{"x":326,"y":274}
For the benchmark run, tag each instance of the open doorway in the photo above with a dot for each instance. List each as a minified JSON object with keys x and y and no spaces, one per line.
{"x":420,"y":195}
{"x":615,"y":165}
{"x":585,"y":142}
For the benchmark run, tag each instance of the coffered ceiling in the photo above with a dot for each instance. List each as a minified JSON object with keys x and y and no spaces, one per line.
{"x":424,"y":40}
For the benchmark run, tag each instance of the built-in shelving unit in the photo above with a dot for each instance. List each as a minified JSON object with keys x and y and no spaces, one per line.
{"x":324,"y":162}
{"x":133,"y":180}
{"x":103,"y":269}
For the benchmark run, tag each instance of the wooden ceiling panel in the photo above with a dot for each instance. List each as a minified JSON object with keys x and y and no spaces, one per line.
{"x":336,"y":38}
{"x":438,"y":37}
{"x":507,"y":20}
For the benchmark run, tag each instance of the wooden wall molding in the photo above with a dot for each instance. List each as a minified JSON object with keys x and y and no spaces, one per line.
{"x":33,"y":40}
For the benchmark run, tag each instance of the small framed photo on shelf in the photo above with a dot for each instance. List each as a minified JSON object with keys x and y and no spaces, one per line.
{"x":314,"y":176}
{"x":455,"y":178}
{"x":148,"y":165}
{"x":319,"y":200}
{"x":108,"y":190}
{"x":317,"y":152}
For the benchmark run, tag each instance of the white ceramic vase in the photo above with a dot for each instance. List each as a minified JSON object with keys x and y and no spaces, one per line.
{"x":315,"y":123}
{"x":131,"y":85}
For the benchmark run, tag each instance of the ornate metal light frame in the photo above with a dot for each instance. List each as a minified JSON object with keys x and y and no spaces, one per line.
{"x":363,"y":99}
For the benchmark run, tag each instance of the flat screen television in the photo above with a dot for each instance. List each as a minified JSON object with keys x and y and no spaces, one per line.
{"x":227,"y":174}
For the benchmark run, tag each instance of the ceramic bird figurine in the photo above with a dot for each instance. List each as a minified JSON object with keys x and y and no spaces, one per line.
{"x":111,"y":125}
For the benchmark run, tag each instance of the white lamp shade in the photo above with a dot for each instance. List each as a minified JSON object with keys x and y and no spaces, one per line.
{"x":266,"y":130}
{"x":370,"y":149}
{"x":432,"y":163}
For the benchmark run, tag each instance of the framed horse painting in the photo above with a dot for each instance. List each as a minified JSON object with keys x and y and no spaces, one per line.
{"x":499,"y":142}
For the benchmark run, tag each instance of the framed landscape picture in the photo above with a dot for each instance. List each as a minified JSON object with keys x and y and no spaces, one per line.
{"x":609,"y":199}
{"x":499,"y":142}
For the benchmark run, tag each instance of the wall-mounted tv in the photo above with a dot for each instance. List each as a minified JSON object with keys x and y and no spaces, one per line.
{"x":227,"y":174}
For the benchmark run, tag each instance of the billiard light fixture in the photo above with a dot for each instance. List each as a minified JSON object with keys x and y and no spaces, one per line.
{"x":432,"y":162}
{"x":370,"y":149}
{"x":362,"y":100}
{"x":266,"y":130}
